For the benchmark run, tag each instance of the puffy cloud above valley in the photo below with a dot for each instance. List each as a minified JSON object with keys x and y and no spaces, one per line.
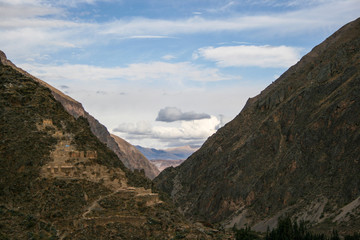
{"x":187,"y":133}
{"x":172,"y":114}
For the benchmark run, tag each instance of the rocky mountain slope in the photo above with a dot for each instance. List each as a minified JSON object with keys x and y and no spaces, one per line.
{"x":137,"y":159}
{"x":59,"y":181}
{"x":76,"y":109}
{"x":293,"y":150}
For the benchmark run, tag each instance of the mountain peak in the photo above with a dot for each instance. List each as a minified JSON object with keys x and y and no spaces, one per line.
{"x":2,"y":56}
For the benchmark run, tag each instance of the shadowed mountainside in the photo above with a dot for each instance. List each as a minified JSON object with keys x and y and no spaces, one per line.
{"x":76,"y":109}
{"x":293,"y":150}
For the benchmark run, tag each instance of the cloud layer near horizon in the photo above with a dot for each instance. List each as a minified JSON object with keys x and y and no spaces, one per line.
{"x":192,"y":132}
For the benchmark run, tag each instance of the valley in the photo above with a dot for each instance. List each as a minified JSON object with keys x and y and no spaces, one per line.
{"x":291,"y":156}
{"x":59,"y":181}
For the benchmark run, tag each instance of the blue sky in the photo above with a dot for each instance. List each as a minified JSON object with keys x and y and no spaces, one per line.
{"x":164,"y":73}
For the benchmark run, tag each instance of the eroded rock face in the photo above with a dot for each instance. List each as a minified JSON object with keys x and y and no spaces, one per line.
{"x":294,"y":148}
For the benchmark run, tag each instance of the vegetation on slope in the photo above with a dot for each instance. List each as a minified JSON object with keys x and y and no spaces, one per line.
{"x":290,"y":230}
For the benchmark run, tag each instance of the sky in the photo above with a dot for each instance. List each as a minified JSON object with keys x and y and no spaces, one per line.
{"x":165,"y":73}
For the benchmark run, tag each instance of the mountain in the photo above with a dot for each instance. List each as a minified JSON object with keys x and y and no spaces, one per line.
{"x":76,"y":109}
{"x":164,"y":158}
{"x":163,"y":164}
{"x":182,"y":152}
{"x":137,"y":159}
{"x":293,"y":149}
{"x":59,"y":181}
{"x":167,"y":154}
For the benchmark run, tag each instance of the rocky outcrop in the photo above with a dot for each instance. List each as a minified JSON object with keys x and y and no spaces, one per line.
{"x":2,"y":57}
{"x":293,"y":149}
{"x":136,"y":158}
{"x":76,"y":109}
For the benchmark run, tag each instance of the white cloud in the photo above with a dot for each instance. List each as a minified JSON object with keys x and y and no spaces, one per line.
{"x":287,"y":3}
{"x":44,"y":24}
{"x":191,"y":25}
{"x":139,"y":128}
{"x":191,"y":130}
{"x":30,"y":42}
{"x":294,"y":22}
{"x":74,"y":3}
{"x":71,"y":3}
{"x":187,"y":131}
{"x":29,"y":26}
{"x":168,"y":57}
{"x":223,"y":8}
{"x":13,"y":12}
{"x":21,"y":2}
{"x":148,"y":72}
{"x":249,"y":55}
{"x":172,"y":114}
{"x":147,"y":37}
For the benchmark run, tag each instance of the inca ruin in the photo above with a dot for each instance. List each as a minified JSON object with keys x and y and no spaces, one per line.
{"x":68,"y":162}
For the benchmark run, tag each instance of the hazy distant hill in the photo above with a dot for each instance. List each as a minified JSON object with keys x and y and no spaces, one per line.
{"x":171,"y":157}
{"x":293,"y":150}
{"x":164,"y":158}
{"x":167,"y":154}
{"x":163,"y":164}
{"x":59,"y":181}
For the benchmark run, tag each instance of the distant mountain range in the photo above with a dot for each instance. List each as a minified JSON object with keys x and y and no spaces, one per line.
{"x":164,"y":158}
{"x":178,"y":153}
{"x":163,"y":164}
